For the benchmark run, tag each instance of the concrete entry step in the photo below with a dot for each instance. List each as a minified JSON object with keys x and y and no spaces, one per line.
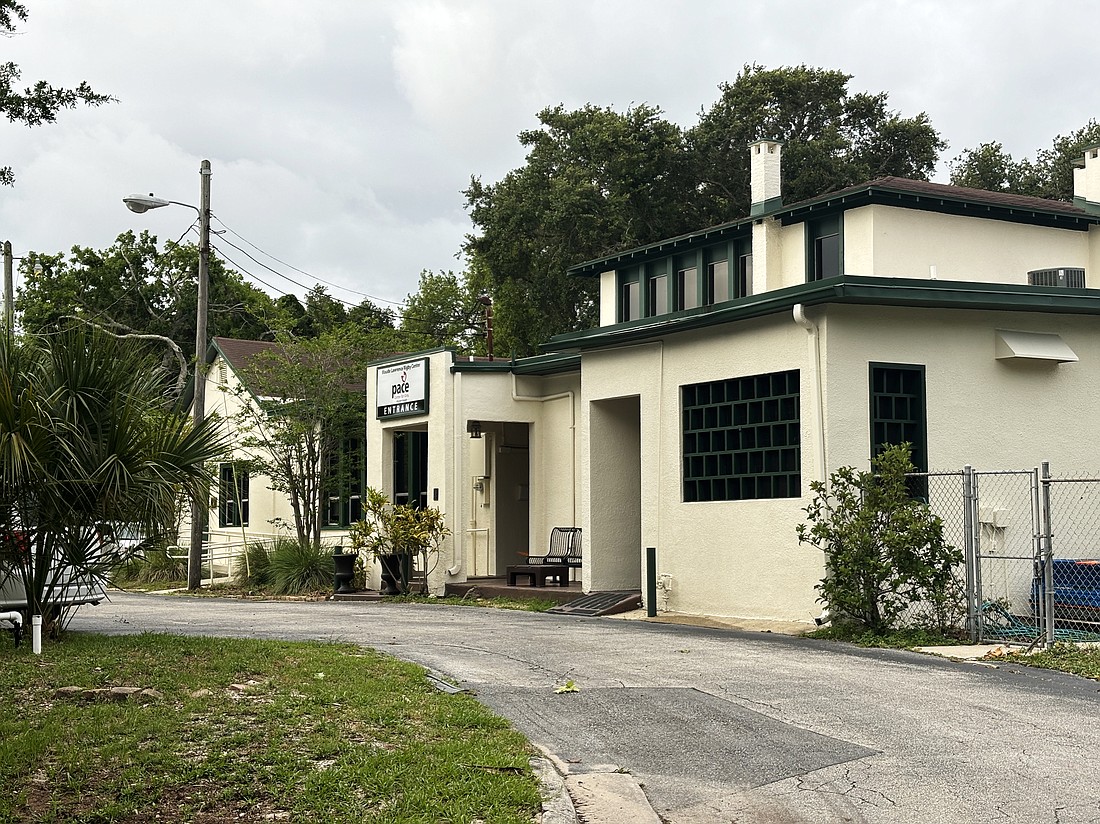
{"x":600,"y":603}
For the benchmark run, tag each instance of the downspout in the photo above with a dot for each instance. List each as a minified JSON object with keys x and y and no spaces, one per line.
{"x":572,"y":430}
{"x":460,"y":457}
{"x":819,"y":406}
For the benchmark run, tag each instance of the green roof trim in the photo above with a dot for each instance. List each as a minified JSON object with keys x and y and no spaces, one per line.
{"x":845,"y":289}
{"x":552,"y":364}
{"x":890,"y":191}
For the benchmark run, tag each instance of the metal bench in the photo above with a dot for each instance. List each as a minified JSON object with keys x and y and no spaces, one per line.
{"x":563,"y":555}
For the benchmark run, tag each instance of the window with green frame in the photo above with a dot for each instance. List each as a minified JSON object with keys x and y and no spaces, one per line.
{"x":630,"y":294}
{"x":233,"y":495}
{"x":657,"y":288}
{"x":703,"y":277}
{"x":742,"y":438}
{"x":688,"y":293}
{"x":345,"y":483}
{"x":824,"y":248}
{"x":898,"y":409}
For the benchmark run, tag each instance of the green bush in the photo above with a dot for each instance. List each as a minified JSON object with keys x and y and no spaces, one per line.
{"x":297,"y":568}
{"x":884,"y":550}
{"x":154,"y":566}
{"x":254,"y":569}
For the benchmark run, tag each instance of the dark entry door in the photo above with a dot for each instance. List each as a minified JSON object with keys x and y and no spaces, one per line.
{"x":410,"y":468}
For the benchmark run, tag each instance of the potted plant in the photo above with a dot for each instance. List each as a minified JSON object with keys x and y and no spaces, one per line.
{"x":395,"y":534}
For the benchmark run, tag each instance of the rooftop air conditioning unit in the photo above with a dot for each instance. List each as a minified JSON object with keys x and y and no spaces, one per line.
{"x":1070,"y":277}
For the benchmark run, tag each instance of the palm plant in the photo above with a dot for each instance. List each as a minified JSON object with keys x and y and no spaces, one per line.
{"x":87,"y":438}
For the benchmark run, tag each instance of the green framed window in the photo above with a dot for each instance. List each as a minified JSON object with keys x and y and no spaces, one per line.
{"x":898,"y":409}
{"x":232,"y":495}
{"x":657,"y":288}
{"x":824,"y":248}
{"x":630,"y":294}
{"x":701,"y":277}
{"x":687,"y":282}
{"x":345,"y":483}
{"x":742,"y":438}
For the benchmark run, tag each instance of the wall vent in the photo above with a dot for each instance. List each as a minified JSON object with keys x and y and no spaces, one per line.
{"x":1072,"y":278}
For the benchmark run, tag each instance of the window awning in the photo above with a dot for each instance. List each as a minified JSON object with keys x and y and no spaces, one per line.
{"x":1045,"y":346}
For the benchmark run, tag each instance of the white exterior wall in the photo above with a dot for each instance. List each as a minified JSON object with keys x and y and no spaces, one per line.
{"x":887,"y":241}
{"x":732,"y":558}
{"x":546,"y":406}
{"x":609,"y":298}
{"x":994,"y":415}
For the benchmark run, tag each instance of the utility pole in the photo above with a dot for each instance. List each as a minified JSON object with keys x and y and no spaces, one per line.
{"x":9,"y":290}
{"x":200,"y":504}
{"x":487,"y":302}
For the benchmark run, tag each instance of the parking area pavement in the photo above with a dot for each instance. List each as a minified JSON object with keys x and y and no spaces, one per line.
{"x":721,"y":725}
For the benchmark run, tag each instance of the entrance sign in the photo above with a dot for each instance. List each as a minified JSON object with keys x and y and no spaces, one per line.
{"x":402,"y":389}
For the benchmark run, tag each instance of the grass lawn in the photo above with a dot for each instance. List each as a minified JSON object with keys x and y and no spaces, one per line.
{"x":248,"y":731}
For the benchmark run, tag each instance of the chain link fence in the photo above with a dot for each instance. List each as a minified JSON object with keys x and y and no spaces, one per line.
{"x":1032,"y":555}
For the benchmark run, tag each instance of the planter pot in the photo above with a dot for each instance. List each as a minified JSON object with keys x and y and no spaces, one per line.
{"x":396,"y":571}
{"x":345,"y":573}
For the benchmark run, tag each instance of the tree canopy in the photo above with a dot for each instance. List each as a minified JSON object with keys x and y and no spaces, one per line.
{"x":596,"y":181}
{"x":1049,"y":174}
{"x":135,"y":288}
{"x":41,"y":102}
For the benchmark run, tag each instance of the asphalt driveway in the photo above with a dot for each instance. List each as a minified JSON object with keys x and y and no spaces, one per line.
{"x":722,"y":725}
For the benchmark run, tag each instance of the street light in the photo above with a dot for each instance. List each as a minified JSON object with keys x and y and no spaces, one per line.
{"x":141,"y":204}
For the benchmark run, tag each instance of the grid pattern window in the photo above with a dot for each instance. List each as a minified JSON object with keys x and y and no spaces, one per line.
{"x":346,"y":481}
{"x":898,"y":409}
{"x":824,"y":248}
{"x":233,"y":495}
{"x":742,"y":438}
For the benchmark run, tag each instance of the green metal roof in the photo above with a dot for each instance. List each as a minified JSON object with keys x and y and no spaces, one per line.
{"x":845,"y":289}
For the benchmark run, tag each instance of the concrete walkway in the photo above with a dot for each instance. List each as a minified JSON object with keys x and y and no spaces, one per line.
{"x":696,"y":725}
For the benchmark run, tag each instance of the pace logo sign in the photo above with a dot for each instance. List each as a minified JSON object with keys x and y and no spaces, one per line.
{"x":403,"y":389}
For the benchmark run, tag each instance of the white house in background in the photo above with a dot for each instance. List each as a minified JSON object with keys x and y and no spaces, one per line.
{"x":243,"y":506}
{"x":735,"y":365}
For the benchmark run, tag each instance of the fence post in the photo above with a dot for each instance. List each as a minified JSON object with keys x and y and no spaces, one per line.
{"x":1047,"y":544}
{"x":973,"y":582}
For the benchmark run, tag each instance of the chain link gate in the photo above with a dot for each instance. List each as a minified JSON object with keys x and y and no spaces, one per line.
{"x":1006,"y":563}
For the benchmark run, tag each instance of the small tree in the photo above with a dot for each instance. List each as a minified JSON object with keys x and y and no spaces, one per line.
{"x":313,"y":402}
{"x":884,"y":550}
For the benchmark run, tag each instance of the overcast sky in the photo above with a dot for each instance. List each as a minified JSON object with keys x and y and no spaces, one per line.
{"x":342,"y":132}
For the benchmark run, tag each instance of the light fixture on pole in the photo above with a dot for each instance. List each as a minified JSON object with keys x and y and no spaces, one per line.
{"x":141,"y":204}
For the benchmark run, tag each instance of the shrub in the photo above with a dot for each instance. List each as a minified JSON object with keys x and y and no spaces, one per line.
{"x":154,"y":566}
{"x":254,"y":569}
{"x":884,"y":550}
{"x":297,"y":567}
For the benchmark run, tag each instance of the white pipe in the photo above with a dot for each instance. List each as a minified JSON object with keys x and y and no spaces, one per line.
{"x":459,"y":452}
{"x":819,"y":407}
{"x":17,"y":619}
{"x":36,"y":634}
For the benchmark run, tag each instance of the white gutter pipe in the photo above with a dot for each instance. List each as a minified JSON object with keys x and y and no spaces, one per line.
{"x":16,"y":619}
{"x":819,"y":407}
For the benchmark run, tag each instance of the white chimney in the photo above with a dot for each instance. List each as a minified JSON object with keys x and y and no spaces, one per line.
{"x":764,"y":170}
{"x":1086,"y":181}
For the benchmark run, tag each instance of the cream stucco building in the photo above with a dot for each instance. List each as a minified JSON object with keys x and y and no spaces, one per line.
{"x":735,"y":365}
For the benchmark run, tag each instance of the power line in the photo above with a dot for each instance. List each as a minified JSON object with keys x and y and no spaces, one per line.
{"x":296,"y":269}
